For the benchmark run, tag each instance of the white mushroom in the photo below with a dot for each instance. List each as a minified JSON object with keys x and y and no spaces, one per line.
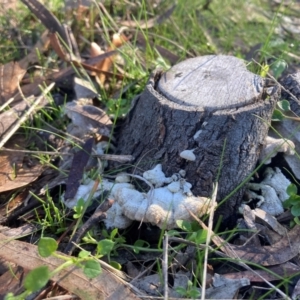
{"x":188,"y":155}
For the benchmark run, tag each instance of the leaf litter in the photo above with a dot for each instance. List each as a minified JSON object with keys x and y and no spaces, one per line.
{"x":20,"y":169}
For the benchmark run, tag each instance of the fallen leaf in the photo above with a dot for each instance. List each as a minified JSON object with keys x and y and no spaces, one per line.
{"x":15,"y":172}
{"x":224,"y":288}
{"x":47,"y":18}
{"x":87,"y":119}
{"x":10,"y":76}
{"x":281,"y":252}
{"x":267,"y":219}
{"x":79,"y":162}
{"x":117,"y":41}
{"x":296,"y":291}
{"x":279,"y":272}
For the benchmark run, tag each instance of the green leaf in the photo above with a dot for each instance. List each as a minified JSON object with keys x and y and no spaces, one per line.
{"x":47,"y":246}
{"x":295,"y":210}
{"x":92,"y":268}
{"x":284,"y":105}
{"x":181,"y":290}
{"x":113,"y":233}
{"x":174,"y":232}
{"x":297,"y":221}
{"x":79,"y":208}
{"x":278,"y":67}
{"x":116,"y":265}
{"x":83,"y":254}
{"x":140,"y":244}
{"x":277,"y":115}
{"x":294,"y":199}
{"x":287,"y":203}
{"x":37,"y":278}
{"x":264,"y":70}
{"x":184,"y":225}
{"x":194,"y":293}
{"x":198,"y":237}
{"x":291,"y":189}
{"x":105,"y":246}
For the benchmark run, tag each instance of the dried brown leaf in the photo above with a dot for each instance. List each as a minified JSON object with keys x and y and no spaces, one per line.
{"x":281,"y":252}
{"x":10,"y":76}
{"x":47,"y":18}
{"x":79,"y":162}
{"x":89,"y":118}
{"x":275,"y":273}
{"x":15,"y":171}
{"x":117,"y":41}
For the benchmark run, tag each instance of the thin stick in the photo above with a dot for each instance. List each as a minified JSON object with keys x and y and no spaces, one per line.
{"x":113,"y":157}
{"x":208,"y":238}
{"x":6,"y":103}
{"x":165,"y":265}
{"x":26,"y":115}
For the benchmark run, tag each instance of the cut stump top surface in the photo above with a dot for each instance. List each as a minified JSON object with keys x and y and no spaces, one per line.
{"x":211,"y":82}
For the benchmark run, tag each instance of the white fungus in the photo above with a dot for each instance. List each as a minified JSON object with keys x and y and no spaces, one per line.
{"x":156,"y":176}
{"x":188,"y":155}
{"x":272,"y":191}
{"x":163,"y":205}
{"x":273,"y":146}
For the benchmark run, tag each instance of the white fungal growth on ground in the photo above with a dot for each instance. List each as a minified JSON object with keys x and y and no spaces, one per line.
{"x":163,"y":205}
{"x":272,"y":191}
{"x":188,"y":155}
{"x":156,"y":176}
{"x":273,"y":146}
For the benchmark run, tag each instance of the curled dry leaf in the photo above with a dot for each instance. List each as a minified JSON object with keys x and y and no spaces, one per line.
{"x":87,"y":119}
{"x":117,"y":41}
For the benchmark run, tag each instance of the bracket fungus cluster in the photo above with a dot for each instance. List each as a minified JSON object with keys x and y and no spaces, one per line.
{"x":168,"y":200}
{"x":271,"y":192}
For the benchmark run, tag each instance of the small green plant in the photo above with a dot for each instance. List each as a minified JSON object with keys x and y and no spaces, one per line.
{"x":195,"y":233}
{"x":279,"y":113}
{"x":189,"y":292}
{"x":293,"y":202}
{"x":54,"y":218}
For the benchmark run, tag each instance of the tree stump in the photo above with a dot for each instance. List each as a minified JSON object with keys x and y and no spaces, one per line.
{"x":212,"y":105}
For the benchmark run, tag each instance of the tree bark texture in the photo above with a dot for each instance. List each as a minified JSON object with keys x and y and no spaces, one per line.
{"x":212,"y":105}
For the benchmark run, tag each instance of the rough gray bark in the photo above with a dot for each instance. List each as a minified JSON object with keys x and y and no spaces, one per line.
{"x":212,"y":104}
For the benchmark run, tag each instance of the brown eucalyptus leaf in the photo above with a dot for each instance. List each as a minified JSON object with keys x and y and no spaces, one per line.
{"x":281,"y":252}
{"x":79,"y":162}
{"x":281,"y":271}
